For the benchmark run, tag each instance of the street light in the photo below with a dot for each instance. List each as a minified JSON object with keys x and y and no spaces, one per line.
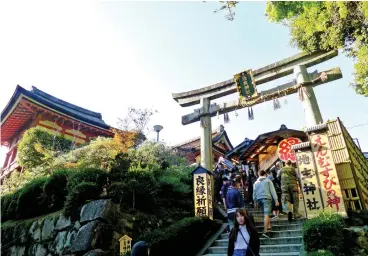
{"x":157,"y":129}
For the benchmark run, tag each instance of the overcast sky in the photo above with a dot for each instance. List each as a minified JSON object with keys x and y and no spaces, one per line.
{"x":108,"y":56}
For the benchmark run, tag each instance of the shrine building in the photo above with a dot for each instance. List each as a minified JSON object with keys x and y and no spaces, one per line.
{"x":33,"y":108}
{"x":191,"y":149}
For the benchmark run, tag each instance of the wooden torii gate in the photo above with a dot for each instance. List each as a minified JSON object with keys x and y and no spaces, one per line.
{"x":303,"y":83}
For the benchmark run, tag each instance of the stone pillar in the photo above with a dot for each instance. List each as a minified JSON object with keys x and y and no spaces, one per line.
{"x":206,"y":136}
{"x":311,"y":110}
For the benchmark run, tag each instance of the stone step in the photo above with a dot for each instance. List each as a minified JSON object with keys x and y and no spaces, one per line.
{"x":261,"y":254}
{"x":280,"y":248}
{"x":276,"y":227}
{"x":266,"y":241}
{"x":280,"y":221}
{"x":274,"y":234}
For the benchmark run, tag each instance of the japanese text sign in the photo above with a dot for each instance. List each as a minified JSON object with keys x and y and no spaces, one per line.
{"x":284,"y":149}
{"x":309,"y":183}
{"x":327,"y":174}
{"x":245,"y":83}
{"x":203,"y":195}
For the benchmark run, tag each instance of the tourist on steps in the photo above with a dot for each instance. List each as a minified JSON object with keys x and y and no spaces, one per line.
{"x":243,"y":238}
{"x":225,"y":187}
{"x":250,"y":182}
{"x":234,"y":201}
{"x":263,"y":193}
{"x":289,"y":190}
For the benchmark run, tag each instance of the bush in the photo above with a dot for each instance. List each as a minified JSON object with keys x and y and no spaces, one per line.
{"x":189,"y":231}
{"x":55,"y":188}
{"x":321,"y":253}
{"x":9,"y":206}
{"x":96,"y":176}
{"x":79,"y":195}
{"x":31,"y":200}
{"x":324,"y":232}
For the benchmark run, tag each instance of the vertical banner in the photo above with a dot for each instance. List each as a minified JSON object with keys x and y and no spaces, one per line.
{"x":310,"y":188}
{"x":327,"y":174}
{"x":202,"y":193}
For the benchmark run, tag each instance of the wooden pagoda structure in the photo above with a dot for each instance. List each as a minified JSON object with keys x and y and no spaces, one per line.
{"x":32,"y":108}
{"x":191,"y":149}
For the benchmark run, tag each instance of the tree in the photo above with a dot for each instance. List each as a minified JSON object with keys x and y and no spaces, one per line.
{"x":136,"y":121}
{"x":325,"y":26}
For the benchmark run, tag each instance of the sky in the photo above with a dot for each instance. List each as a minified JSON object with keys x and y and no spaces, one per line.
{"x":107,"y":56}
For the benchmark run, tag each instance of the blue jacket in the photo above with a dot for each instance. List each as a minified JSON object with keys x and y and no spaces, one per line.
{"x":234,"y":199}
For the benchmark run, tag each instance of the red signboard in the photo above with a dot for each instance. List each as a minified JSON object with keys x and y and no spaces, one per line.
{"x":284,"y":149}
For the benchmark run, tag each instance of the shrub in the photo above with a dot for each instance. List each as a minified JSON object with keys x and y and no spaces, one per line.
{"x":324,"y":232}
{"x":189,"y":231}
{"x":31,"y":200}
{"x":55,"y":188}
{"x":9,"y":204}
{"x":321,"y":253}
{"x":79,"y":195}
{"x":96,"y":176}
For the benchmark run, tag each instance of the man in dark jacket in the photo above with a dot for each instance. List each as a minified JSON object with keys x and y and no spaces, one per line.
{"x":140,"y":249}
{"x":233,"y":202}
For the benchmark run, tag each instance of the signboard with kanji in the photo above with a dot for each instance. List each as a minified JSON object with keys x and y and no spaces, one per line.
{"x":309,"y":183}
{"x":202,"y":193}
{"x":245,"y":83}
{"x":327,"y":174}
{"x":284,"y":149}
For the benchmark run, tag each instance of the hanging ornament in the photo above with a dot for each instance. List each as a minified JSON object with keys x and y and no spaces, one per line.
{"x":250,"y":113}
{"x":203,"y":122}
{"x":236,"y":113}
{"x":285,"y":99}
{"x":218,"y":115}
{"x":226,"y":118}
{"x":301,"y":92}
{"x":276,"y":103}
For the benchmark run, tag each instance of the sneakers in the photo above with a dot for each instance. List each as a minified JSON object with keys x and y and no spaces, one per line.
{"x":275,"y":217}
{"x":267,"y":234}
{"x":290,"y":216}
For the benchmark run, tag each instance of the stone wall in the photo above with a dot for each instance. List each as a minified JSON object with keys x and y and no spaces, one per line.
{"x":96,"y":232}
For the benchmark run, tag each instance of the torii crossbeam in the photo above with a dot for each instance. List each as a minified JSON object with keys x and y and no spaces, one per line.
{"x":297,"y":64}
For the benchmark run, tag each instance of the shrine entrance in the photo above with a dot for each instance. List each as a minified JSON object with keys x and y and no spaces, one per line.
{"x":245,"y":84}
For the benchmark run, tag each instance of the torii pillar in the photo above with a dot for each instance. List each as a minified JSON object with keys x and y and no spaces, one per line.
{"x":206,"y":135}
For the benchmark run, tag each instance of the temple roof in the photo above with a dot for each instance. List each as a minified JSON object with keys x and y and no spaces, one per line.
{"x":44,"y":99}
{"x":250,"y":147}
{"x":220,"y":142}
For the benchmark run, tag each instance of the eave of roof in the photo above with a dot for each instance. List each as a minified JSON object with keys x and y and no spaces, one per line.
{"x":239,"y":148}
{"x":52,"y":102}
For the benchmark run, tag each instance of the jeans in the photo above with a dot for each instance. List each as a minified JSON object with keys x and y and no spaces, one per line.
{"x":240,"y":252}
{"x":266,"y":204}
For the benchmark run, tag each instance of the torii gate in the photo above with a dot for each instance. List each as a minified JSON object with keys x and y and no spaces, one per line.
{"x":296,"y":64}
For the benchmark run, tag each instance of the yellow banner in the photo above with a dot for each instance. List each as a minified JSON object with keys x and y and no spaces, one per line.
{"x":310,"y":188}
{"x":327,"y":174}
{"x":202,"y":195}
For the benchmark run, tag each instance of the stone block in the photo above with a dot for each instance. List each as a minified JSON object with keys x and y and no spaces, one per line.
{"x":48,"y":229}
{"x":58,"y":244}
{"x":17,"y":251}
{"x":77,"y":226}
{"x":37,"y":250}
{"x":93,"y":235}
{"x":96,"y":252}
{"x":35,"y":231}
{"x":97,"y":210}
{"x":63,"y":223}
{"x":69,"y":240}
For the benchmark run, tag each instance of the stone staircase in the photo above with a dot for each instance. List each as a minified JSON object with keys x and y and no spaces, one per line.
{"x":286,"y":238}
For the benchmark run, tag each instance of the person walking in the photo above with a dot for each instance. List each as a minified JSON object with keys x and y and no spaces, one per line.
{"x":244,"y":238}
{"x":225,"y":187}
{"x":250,"y":182}
{"x":263,"y":193}
{"x":277,"y":184}
{"x":234,"y":201}
{"x":289,"y":190}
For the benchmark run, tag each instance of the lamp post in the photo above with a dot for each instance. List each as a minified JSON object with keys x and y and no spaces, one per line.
{"x":157,"y":129}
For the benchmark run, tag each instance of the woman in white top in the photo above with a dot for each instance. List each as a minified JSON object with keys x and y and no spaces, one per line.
{"x":243,"y":238}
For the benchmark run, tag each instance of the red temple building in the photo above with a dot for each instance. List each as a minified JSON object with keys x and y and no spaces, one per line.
{"x":191,"y":149}
{"x":33,"y":108}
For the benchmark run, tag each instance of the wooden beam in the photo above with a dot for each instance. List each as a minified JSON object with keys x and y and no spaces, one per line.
{"x":267,"y":95}
{"x":262,"y":75}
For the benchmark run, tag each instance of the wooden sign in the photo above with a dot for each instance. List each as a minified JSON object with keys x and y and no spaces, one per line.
{"x":327,"y":174}
{"x":125,"y":244}
{"x":202,"y":193}
{"x":269,"y":159}
{"x":284,"y":149}
{"x":309,"y":182}
{"x":245,"y":83}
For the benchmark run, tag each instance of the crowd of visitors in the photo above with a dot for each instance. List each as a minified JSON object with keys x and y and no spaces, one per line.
{"x":274,"y":191}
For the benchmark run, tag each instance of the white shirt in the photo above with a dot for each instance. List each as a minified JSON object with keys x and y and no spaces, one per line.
{"x":240,"y":244}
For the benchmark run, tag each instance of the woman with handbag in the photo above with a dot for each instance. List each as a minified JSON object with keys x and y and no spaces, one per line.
{"x":243,"y":238}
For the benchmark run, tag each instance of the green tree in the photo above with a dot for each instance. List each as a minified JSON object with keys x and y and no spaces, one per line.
{"x":325,"y":26}
{"x":38,"y":147}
